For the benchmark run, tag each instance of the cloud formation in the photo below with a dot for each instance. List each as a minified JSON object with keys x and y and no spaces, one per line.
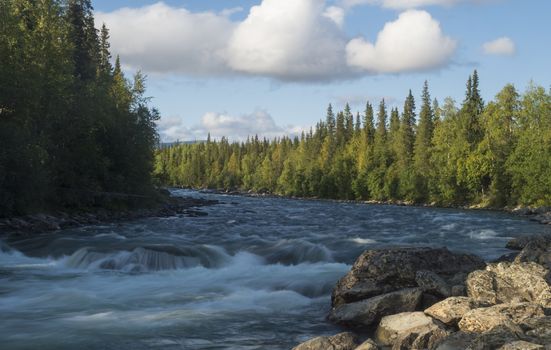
{"x":236,"y":128}
{"x":287,"y":40}
{"x":500,"y":46}
{"x":413,"y":42}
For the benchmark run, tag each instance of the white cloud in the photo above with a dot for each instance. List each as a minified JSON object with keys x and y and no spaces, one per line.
{"x":336,"y":14}
{"x":289,"y":40}
{"x":162,"y":39}
{"x":413,"y":42}
{"x":501,"y":46}
{"x":408,"y":4}
{"x":236,"y":128}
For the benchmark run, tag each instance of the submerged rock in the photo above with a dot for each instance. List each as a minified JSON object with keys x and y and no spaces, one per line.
{"x":341,"y":341}
{"x":382,"y":271}
{"x":369,"y":311}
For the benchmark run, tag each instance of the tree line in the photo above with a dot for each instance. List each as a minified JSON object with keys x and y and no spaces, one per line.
{"x":71,"y":124}
{"x":490,"y":154}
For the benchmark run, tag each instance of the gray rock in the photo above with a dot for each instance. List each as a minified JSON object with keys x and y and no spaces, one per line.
{"x":341,"y":341}
{"x":382,"y":271}
{"x":368,"y":345}
{"x":455,"y":341}
{"x":521,"y":345}
{"x":538,"y":330}
{"x":507,"y":282}
{"x":423,"y":340}
{"x":459,"y":290}
{"x":484,"y":319}
{"x":495,"y":338}
{"x":431,"y":282}
{"x":451,"y":310}
{"x":366,"y":312}
{"x":394,"y":327}
{"x":538,"y":251}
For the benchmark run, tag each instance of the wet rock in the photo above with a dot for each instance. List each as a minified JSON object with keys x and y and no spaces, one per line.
{"x":368,"y":345}
{"x":382,"y":271}
{"x":484,"y":319}
{"x":431,"y":282}
{"x":367,"y":312}
{"x":405,"y":328}
{"x":506,"y":282}
{"x":521,"y":345}
{"x":341,"y":341}
{"x":451,"y":310}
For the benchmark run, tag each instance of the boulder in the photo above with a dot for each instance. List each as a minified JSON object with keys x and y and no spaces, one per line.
{"x":510,"y":282}
{"x":430,"y":282}
{"x":484,"y":319}
{"x":538,"y":251}
{"x":521,"y":345}
{"x":367,"y":312}
{"x":382,"y":271}
{"x":451,"y":310}
{"x":424,"y":340}
{"x":393,"y":327}
{"x":368,"y":345}
{"x":341,"y":341}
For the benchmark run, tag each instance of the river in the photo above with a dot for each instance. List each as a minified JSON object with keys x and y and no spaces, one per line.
{"x":256,"y":273}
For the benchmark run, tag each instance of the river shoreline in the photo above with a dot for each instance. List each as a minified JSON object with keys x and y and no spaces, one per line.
{"x":59,"y":220}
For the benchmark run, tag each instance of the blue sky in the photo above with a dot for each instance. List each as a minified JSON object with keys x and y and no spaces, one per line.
{"x":271,"y":67}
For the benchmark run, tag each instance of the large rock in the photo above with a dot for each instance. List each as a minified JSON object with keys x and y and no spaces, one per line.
{"x":393,"y":327}
{"x":341,"y":341}
{"x":451,"y":310}
{"x":382,"y":271}
{"x":366,"y":312}
{"x":410,"y":330}
{"x":521,"y":345}
{"x":482,"y":320}
{"x":510,"y":282}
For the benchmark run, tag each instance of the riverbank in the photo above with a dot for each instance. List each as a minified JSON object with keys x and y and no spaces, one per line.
{"x":58,"y":220}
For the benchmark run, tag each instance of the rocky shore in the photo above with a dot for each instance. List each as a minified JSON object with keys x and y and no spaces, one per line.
{"x":46,"y":222}
{"x":427,"y":298}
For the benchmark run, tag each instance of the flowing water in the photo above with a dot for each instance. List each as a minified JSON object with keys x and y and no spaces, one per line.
{"x":253,"y":274}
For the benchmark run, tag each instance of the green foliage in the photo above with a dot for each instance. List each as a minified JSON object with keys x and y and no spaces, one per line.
{"x":70,"y":126}
{"x":498,"y":154}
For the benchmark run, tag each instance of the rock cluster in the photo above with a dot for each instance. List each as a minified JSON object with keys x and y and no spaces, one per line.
{"x":425,"y":298}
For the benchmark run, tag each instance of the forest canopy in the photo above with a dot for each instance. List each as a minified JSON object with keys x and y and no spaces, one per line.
{"x":489,"y":154}
{"x":71,"y":125}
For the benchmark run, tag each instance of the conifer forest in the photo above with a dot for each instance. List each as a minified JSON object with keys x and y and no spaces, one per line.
{"x":491,"y":154}
{"x":72,"y":126}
